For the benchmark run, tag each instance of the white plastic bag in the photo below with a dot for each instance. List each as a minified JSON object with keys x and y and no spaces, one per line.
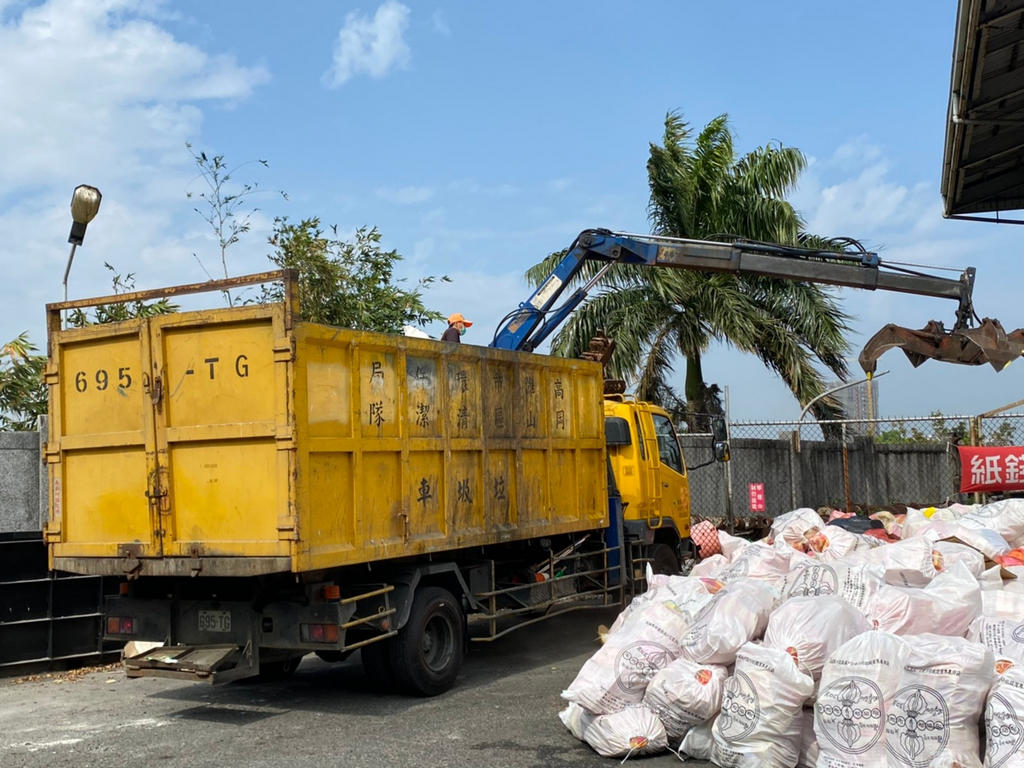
{"x":907,"y":563}
{"x":761,"y":718}
{"x":856,"y":584}
{"x":808,"y":740}
{"x":810,"y":628}
{"x":948,"y":605}
{"x":788,"y":529}
{"x":1004,"y":637}
{"x":1005,"y":517}
{"x":1002,"y":604}
{"x":757,"y":561}
{"x":990,"y":543}
{"x":685,"y":694}
{"x":617,"y":675}
{"x":632,"y":731}
{"x":858,"y":682}
{"x":733,"y":617}
{"x":1004,"y":721}
{"x":950,"y":552}
{"x":710,"y":567}
{"x":933,"y":718}
{"x":682,"y":591}
{"x":697,"y":742}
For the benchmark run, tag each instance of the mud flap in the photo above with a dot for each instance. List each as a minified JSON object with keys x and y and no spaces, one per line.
{"x":198,"y":663}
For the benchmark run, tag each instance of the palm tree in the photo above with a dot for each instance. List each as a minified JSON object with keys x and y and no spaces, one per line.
{"x":701,"y":189}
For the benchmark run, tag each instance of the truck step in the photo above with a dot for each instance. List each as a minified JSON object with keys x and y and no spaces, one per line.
{"x":198,"y":663}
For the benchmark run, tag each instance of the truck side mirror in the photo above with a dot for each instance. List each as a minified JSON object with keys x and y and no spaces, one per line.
{"x":721,"y":451}
{"x":718,"y":430}
{"x":720,"y":438}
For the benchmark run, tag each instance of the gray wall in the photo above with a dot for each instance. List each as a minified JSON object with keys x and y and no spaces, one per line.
{"x":22,"y":487}
{"x":878,"y":474}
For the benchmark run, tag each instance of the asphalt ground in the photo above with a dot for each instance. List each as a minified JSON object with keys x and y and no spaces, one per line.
{"x":503,"y":712}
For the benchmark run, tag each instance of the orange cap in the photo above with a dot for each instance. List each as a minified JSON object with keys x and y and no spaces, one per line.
{"x":458,"y":318}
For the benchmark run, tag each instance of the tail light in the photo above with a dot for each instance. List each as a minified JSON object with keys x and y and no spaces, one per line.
{"x":318,"y":633}
{"x":119,"y":625}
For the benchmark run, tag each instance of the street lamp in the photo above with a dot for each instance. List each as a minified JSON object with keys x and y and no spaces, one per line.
{"x":85,"y":203}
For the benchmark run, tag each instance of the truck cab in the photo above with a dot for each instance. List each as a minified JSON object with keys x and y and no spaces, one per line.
{"x":650,"y":473}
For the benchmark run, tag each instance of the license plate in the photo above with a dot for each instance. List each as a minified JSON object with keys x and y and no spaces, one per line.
{"x":215,"y":621}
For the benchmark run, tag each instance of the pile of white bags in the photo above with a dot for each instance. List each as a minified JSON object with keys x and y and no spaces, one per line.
{"x":822,"y":647}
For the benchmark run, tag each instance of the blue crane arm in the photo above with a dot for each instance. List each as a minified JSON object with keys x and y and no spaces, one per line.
{"x":526,"y":327}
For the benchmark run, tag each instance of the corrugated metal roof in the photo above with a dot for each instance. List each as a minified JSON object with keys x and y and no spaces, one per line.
{"x":983,"y":163}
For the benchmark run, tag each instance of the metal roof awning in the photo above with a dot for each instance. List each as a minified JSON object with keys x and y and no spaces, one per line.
{"x":983,"y":161}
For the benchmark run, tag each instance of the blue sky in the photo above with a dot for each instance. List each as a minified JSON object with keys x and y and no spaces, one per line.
{"x":479,"y":137}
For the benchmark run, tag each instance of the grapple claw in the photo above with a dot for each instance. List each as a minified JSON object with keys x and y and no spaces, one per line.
{"x":986,"y":343}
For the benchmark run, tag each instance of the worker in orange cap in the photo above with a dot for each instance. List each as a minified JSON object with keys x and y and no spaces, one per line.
{"x":457,"y":326}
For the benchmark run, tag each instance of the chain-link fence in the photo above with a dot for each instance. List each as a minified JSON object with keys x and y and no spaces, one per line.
{"x":852,"y":464}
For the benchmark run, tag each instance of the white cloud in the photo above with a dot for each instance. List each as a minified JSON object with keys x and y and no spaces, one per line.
{"x":370,"y":46}
{"x":405,"y":195}
{"x":98,"y":92}
{"x":440,"y":24}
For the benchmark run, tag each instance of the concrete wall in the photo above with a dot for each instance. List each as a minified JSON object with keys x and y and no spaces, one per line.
{"x":878,"y":474}
{"x":22,"y":487}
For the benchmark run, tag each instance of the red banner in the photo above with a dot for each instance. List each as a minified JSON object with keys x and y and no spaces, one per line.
{"x":996,"y":468}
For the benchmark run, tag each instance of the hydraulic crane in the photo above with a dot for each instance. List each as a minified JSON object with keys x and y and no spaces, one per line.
{"x":971,"y":341}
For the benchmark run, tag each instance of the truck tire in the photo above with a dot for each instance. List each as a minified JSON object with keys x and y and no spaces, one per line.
{"x":426,"y":656}
{"x":376,"y":658}
{"x":663,"y":559}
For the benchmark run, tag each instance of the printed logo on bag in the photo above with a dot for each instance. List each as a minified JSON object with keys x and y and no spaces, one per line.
{"x":1018,"y":633}
{"x":815,"y":580}
{"x":850,"y":713}
{"x":1004,"y":735}
{"x":737,"y":570}
{"x":1002,"y":665}
{"x":741,"y":708}
{"x":917,"y":726}
{"x":703,"y":676}
{"x":637,"y":663}
{"x":698,"y":631}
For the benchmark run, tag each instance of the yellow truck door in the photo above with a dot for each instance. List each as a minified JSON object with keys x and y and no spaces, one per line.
{"x":225,"y":443}
{"x":101,"y":449}
{"x":675,"y":486}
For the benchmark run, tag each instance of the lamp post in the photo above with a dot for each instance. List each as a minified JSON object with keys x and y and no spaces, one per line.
{"x":85,"y":203}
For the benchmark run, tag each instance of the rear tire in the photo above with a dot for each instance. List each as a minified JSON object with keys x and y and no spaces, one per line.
{"x":427,"y":653}
{"x":664,"y":559}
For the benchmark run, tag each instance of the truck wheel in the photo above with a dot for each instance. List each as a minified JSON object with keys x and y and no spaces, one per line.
{"x":377,"y":664}
{"x":427,"y":653}
{"x":663,"y":559}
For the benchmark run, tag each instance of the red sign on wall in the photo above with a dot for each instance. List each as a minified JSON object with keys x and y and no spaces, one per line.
{"x":756,"y":491}
{"x":996,"y":468}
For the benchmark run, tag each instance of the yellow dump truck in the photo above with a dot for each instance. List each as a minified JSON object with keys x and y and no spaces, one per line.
{"x":271,"y":487}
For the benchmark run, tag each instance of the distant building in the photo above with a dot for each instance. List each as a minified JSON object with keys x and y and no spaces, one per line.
{"x":855,"y":403}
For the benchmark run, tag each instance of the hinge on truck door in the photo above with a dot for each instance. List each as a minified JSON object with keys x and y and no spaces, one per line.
{"x":284,"y":349}
{"x":287,"y":528}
